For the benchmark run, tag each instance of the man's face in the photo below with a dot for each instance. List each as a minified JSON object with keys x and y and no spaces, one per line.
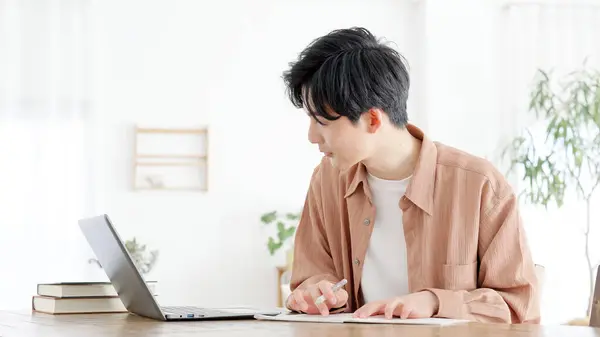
{"x":344,"y":143}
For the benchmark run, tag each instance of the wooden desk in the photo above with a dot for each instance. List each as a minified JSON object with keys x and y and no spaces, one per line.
{"x":26,"y":324}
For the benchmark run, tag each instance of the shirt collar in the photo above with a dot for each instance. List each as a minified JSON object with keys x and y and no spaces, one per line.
{"x":421,"y":187}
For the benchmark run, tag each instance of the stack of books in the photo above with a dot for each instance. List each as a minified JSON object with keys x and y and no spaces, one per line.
{"x":79,"y":298}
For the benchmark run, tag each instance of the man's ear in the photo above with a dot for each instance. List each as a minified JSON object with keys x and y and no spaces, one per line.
{"x":374,"y":119}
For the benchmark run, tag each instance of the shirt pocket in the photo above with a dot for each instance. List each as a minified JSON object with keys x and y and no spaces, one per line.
{"x":460,"y":276}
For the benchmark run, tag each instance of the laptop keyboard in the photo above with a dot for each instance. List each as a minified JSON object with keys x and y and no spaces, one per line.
{"x":184,"y":310}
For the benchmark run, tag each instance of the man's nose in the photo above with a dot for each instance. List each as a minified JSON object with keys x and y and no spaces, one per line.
{"x":313,"y":134}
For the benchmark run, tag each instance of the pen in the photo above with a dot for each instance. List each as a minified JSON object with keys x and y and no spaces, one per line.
{"x":335,"y":288}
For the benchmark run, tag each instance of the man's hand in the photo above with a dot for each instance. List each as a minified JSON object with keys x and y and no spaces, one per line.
{"x":303,"y":299}
{"x":423,"y":304}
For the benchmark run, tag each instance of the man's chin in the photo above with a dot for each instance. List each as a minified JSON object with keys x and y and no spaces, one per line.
{"x":338,"y":164}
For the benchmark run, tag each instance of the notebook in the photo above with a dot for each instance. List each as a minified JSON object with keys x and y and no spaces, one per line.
{"x":347,"y":318}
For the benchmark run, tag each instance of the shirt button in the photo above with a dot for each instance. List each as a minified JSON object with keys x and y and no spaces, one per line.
{"x":356,"y":262}
{"x":366,"y":222}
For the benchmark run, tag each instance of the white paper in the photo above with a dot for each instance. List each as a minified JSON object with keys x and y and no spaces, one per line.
{"x":410,"y":321}
{"x":347,"y":318}
{"x":293,"y":317}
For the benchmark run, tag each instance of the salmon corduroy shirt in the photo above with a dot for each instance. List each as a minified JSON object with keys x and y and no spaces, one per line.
{"x":464,"y":236}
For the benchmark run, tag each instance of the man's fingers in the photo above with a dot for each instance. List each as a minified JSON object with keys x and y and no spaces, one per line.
{"x":315,"y":292}
{"x":369,"y":309}
{"x":305,"y":300}
{"x":406,"y":311}
{"x":341,"y":297}
{"x":325,"y":288}
{"x":290,"y":303}
{"x":359,"y":311}
{"x":390,"y":308}
{"x":300,"y":301}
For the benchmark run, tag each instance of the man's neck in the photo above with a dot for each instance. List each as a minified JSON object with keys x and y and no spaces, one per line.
{"x":396,"y":158}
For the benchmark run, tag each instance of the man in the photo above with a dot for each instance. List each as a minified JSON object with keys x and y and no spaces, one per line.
{"x":417,"y":228}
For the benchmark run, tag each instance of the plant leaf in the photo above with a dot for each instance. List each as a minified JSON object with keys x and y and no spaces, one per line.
{"x":269,"y":217}
{"x":273,"y":246}
{"x":572,"y":138}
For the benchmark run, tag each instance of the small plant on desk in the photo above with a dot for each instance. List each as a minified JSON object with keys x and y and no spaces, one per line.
{"x":286,"y":228}
{"x":145,"y":261}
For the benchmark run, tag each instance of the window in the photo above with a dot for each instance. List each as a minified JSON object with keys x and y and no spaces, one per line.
{"x":45,"y":130}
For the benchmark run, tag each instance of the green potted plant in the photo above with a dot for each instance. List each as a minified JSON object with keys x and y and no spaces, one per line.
{"x":286,"y":224}
{"x":568,"y":109}
{"x":144,"y":260}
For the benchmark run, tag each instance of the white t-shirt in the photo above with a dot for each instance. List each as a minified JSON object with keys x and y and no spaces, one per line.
{"x":385,"y":266}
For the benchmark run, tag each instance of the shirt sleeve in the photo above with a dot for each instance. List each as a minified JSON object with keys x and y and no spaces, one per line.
{"x":508,"y":289}
{"x":312,"y":256}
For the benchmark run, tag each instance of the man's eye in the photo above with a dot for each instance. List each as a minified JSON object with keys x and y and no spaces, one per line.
{"x":321,"y":121}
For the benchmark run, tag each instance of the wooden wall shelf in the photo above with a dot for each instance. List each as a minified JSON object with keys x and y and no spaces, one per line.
{"x":170,"y":159}
{"x":188,"y":156}
{"x":170,"y":164}
{"x":176,"y":131}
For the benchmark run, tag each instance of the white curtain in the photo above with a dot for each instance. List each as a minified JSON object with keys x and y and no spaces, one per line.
{"x":551,"y":35}
{"x":45,"y":153}
{"x":558,"y":36}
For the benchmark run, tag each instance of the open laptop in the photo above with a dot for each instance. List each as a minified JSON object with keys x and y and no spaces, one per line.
{"x":130,"y":285}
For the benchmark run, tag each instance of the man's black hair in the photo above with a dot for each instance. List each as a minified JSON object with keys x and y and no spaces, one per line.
{"x":349,"y":71}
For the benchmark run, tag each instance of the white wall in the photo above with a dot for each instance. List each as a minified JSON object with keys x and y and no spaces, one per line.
{"x":187,"y":63}
{"x":184,"y":63}
{"x":44,"y":145}
{"x":460,"y":46}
